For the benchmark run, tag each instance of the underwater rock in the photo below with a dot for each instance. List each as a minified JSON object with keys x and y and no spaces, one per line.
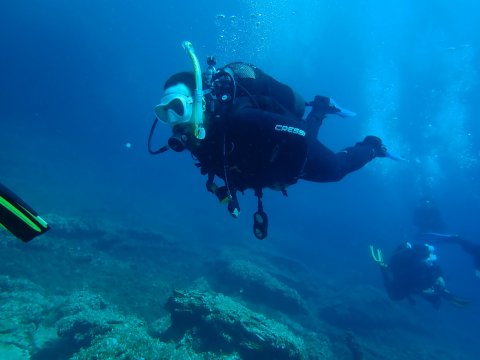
{"x":129,"y":341}
{"x":364,"y":308}
{"x":257,"y":285}
{"x":90,"y":328}
{"x":219,"y":323}
{"x":23,"y":307}
{"x":74,"y":228}
{"x":160,"y":326}
{"x":86,"y":315}
{"x":13,"y":352}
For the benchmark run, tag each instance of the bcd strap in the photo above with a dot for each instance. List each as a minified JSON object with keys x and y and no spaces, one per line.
{"x":260,"y":218}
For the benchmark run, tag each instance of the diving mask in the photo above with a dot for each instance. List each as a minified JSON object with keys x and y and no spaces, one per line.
{"x":176,"y":106}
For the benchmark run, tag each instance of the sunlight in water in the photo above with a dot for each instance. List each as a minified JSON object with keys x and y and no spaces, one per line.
{"x":247,"y":35}
{"x":452,"y":117}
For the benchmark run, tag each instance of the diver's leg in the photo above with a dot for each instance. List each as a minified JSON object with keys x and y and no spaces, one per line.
{"x":321,"y":107}
{"x":323,"y":165}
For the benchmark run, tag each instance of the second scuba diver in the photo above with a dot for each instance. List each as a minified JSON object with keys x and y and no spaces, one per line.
{"x":412,"y":270}
{"x":246,"y":128}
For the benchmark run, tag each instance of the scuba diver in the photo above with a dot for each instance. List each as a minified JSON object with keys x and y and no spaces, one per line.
{"x":18,"y":217}
{"x":247,"y":129}
{"x":413,"y":270}
{"x":469,"y":247}
{"x":427,"y":217}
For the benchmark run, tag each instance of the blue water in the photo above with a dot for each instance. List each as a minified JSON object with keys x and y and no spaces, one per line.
{"x":80,"y":79}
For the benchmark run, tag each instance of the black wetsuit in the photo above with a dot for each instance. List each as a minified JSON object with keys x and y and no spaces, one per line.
{"x":263,"y":141}
{"x":427,"y":217}
{"x":409,"y":274}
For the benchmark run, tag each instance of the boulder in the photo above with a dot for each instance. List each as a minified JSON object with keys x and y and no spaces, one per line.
{"x":223,"y":324}
{"x":257,"y":285}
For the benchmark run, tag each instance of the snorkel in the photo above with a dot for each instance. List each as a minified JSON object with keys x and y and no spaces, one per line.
{"x":197,"y":113}
{"x":178,"y":142}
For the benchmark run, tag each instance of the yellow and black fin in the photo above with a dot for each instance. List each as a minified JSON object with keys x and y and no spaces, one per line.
{"x":18,"y":217}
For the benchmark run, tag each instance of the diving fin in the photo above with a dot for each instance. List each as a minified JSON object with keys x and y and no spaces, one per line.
{"x":377,"y":256}
{"x":18,"y":217}
{"x":455,"y":300}
{"x":435,"y":235}
{"x":337,"y":110}
{"x":458,"y":301}
{"x":324,"y":105}
{"x":394,"y":156}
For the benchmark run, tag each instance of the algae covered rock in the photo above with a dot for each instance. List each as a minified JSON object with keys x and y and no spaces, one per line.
{"x":94,"y":329}
{"x":221,"y":323}
{"x":23,"y":308}
{"x":75,"y":228}
{"x":84,"y":316}
{"x":258,"y":285}
{"x":126,"y":341}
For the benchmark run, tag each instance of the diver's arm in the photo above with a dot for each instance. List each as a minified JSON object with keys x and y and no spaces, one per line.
{"x":439,"y":239}
{"x":471,"y":249}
